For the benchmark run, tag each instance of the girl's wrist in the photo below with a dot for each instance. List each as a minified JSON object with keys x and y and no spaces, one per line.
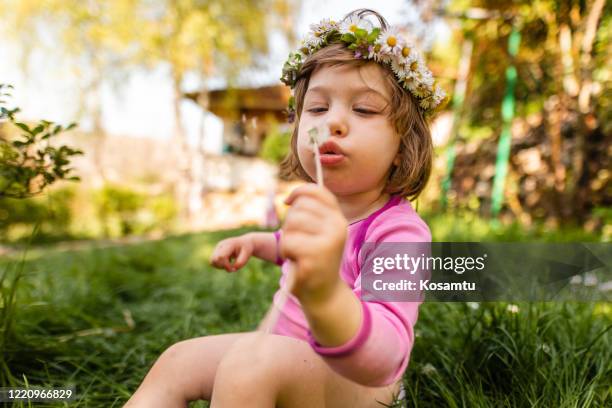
{"x":320,"y":300}
{"x":335,"y":319}
{"x":263,"y":244}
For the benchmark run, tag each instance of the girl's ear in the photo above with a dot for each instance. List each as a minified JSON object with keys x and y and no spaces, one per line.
{"x":396,"y":160}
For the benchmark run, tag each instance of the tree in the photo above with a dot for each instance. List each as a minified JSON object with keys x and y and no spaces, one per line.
{"x":96,"y":36}
{"x":205,"y":38}
{"x":562,"y":71}
{"x":28,"y":162}
{"x":200,"y":38}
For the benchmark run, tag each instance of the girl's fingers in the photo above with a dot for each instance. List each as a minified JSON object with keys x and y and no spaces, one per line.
{"x":216,"y":259}
{"x":307,"y":212}
{"x":222,"y":255}
{"x":302,"y":221}
{"x":218,"y":262}
{"x":309,"y":204}
{"x":241,"y":259}
{"x":291,"y":245}
{"x":319,"y":193}
{"x":228,"y":259}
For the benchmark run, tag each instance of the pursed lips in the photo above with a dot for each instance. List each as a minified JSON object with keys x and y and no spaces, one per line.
{"x":331,"y":154}
{"x":330,"y":147}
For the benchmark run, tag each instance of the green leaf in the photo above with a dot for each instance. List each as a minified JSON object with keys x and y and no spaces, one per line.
{"x":23,"y":127}
{"x":38,"y":129}
{"x":373,"y":35}
{"x":360,"y":33}
{"x":348,"y":38}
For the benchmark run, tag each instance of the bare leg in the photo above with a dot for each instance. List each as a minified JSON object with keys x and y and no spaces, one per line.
{"x":276,"y":371}
{"x":184,"y":372}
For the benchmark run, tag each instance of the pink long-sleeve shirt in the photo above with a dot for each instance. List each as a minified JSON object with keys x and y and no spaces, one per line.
{"x":378,"y":354}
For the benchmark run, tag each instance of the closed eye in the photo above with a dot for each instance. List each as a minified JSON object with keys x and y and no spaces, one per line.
{"x":317,"y":110}
{"x":365,"y":111}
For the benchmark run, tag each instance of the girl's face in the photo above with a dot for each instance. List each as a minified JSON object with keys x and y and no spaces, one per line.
{"x":353,"y":103}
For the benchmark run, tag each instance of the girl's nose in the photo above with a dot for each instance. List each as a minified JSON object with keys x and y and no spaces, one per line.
{"x":337,"y":127}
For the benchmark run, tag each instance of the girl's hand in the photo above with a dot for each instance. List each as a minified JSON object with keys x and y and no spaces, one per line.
{"x":314,"y":233}
{"x":237,"y":249}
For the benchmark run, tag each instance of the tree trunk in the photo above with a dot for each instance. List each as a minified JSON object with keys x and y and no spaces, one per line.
{"x":190,"y":172}
{"x":584,"y":108}
{"x":93,"y":92}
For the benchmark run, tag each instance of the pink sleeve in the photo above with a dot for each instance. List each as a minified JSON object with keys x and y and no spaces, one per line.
{"x":379,"y":353}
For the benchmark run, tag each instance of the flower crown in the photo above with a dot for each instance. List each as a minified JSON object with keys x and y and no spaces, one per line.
{"x":383,"y":46}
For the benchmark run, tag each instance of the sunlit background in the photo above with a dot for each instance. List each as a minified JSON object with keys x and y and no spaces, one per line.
{"x":181,"y":117}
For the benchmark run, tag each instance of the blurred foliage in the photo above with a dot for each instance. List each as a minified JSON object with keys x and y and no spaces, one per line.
{"x":125,"y":212}
{"x":562,"y":132}
{"x":109,"y":39}
{"x":545,"y":67}
{"x":190,"y":35}
{"x":122,"y":203}
{"x":464,"y":224}
{"x":68,"y":213}
{"x":276,"y":144}
{"x":28,"y":162}
{"x":51,"y":212}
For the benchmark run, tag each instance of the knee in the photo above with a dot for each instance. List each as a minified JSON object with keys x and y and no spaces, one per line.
{"x":169,"y":358}
{"x":157,"y":387}
{"x":250,"y":357}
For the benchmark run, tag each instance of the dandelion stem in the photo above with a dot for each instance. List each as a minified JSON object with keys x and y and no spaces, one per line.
{"x":273,"y":314}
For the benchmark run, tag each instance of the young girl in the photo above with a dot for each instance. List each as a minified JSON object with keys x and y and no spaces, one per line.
{"x":372,"y":91}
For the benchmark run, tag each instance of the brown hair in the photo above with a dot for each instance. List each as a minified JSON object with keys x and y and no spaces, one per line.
{"x":408,"y":178}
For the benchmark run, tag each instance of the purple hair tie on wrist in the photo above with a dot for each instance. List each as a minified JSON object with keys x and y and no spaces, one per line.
{"x":279,"y":260}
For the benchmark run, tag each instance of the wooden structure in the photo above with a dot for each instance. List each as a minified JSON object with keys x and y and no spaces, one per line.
{"x":247,"y":114}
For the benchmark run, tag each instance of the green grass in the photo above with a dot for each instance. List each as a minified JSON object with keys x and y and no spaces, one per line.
{"x":98,"y":318}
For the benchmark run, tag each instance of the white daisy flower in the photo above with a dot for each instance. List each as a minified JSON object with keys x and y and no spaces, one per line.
{"x":429,"y":369}
{"x":428,"y":103}
{"x":419,"y":89}
{"x":391,"y":42}
{"x":407,"y":50}
{"x":412,"y":68}
{"x":351,"y":24}
{"x":398,"y":67}
{"x":414,"y":60}
{"x":425,"y":77}
{"x":373,"y":52}
{"x":385,"y":58}
{"x":438,"y":94}
{"x":323,"y":26}
{"x":409,"y":81}
{"x":512,"y":308}
{"x":313,"y":41}
{"x":411,"y":76}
